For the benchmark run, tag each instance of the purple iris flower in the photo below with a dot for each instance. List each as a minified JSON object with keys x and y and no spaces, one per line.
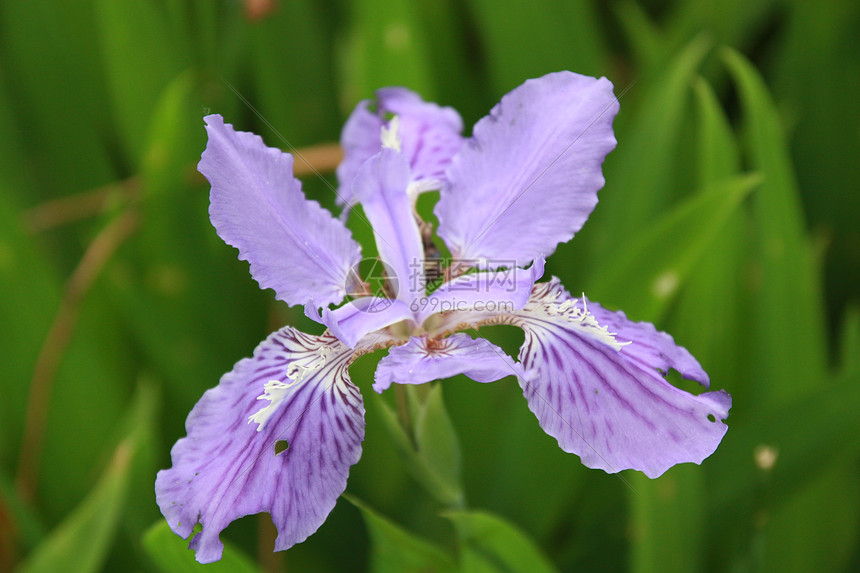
{"x":281,"y":430}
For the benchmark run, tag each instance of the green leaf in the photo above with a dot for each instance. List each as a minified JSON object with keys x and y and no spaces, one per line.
{"x":302,"y":116}
{"x":50,"y":57}
{"x":641,"y":173}
{"x":809,"y":435}
{"x":394,"y":549}
{"x":457,"y":81}
{"x":646,"y":277}
{"x":669,"y":515}
{"x":647,"y":44}
{"x":386,"y":46}
{"x":27,"y":309}
{"x":850,"y":343}
{"x":170,"y":553}
{"x":186,"y":298}
{"x":13,"y":174}
{"x":441,"y":482}
{"x":565,"y":36}
{"x":788,"y":287}
{"x":31,"y":292}
{"x":828,"y":506}
{"x":733,"y":22}
{"x":668,"y":520}
{"x":816,"y":65}
{"x":172,"y":133}
{"x":710,"y":296}
{"x":140,"y":58}
{"x":436,"y":439}
{"x":82,"y":540}
{"x":717,"y":150}
{"x":25,"y":528}
{"x":490,"y":544}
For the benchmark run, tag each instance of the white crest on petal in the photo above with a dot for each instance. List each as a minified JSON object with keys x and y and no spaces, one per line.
{"x":570,"y":311}
{"x":274,"y":391}
{"x":391,"y":134}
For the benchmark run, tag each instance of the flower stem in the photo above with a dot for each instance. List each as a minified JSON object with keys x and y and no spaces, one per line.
{"x":403,"y":415}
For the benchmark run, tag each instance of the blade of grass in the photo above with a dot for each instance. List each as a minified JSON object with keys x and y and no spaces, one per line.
{"x":81,"y":542}
{"x":645,"y":277}
{"x":490,"y":544}
{"x":395,"y":549}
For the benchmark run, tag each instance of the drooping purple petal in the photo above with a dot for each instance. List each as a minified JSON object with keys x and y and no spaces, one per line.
{"x":430,"y":136}
{"x":292,"y":458}
{"x":605,"y":400}
{"x":528,"y":177}
{"x":491,"y":291}
{"x":360,"y":317}
{"x":294,"y":246}
{"x":424,"y":359}
{"x":380,"y":185}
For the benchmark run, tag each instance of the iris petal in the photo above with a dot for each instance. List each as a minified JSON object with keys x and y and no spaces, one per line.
{"x":292,"y":464}
{"x":356,"y":322}
{"x":606,"y":400}
{"x":294,"y":246}
{"x":528,"y":177}
{"x":430,"y":137}
{"x":423,"y":359}
{"x":380,"y":185}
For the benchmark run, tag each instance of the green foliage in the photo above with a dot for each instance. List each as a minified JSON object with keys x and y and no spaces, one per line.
{"x":429,"y":450}
{"x":82,"y":540}
{"x":395,"y":549}
{"x":489,"y":544}
{"x":170,"y":554}
{"x":729,"y":218}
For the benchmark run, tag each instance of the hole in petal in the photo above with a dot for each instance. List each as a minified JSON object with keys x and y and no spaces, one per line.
{"x":281,"y":446}
{"x":711,"y":418}
{"x":509,"y":338}
{"x":674,"y":378}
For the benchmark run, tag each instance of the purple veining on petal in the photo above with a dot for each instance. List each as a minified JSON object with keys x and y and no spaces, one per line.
{"x":611,"y":406}
{"x":533,"y":163}
{"x":650,"y":347}
{"x":424,"y":359}
{"x":295,"y":467}
{"x":430,"y":137}
{"x":294,"y":246}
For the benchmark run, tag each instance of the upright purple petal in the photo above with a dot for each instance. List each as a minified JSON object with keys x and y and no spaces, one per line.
{"x":294,"y":246}
{"x":278,"y":434}
{"x":528,"y":177}
{"x":424,"y":359}
{"x":430,"y":136}
{"x":360,"y":140}
{"x":380,"y":185}
{"x":599,"y":391}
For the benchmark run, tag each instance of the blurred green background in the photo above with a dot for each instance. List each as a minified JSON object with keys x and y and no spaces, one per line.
{"x":729,"y":218}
